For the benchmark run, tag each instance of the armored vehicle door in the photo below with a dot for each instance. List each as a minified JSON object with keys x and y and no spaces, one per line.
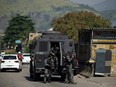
{"x":58,"y":48}
{"x":69,"y":46}
{"x":41,"y":53}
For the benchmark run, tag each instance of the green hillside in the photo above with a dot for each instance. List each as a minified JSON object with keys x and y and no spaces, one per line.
{"x":42,"y":12}
{"x":25,"y":6}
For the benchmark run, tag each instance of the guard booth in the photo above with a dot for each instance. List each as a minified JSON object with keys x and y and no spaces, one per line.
{"x":103,"y":62}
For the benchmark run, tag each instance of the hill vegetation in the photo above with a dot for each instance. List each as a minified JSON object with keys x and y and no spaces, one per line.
{"x":109,"y":14}
{"x":42,"y":12}
{"x":105,"y":5}
{"x":71,"y":23}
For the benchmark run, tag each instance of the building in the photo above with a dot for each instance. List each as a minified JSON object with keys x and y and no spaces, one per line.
{"x":92,"y":39}
{"x":34,"y":35}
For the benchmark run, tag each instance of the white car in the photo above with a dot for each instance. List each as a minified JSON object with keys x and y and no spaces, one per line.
{"x":10,"y":61}
{"x":26,"y":58}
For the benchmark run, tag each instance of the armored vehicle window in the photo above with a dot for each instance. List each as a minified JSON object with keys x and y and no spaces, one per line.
{"x":43,"y":46}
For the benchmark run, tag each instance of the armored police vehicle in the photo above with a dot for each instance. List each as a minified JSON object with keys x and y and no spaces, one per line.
{"x":40,"y":49}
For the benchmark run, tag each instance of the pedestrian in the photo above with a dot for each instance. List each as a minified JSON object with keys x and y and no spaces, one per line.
{"x":69,"y":68}
{"x":20,"y":56}
{"x":49,"y":67}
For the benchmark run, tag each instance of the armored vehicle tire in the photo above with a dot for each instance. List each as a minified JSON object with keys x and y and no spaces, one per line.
{"x":31,"y":75}
{"x":31,"y":72}
{"x":34,"y":76}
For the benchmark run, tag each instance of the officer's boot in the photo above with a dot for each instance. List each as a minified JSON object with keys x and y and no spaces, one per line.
{"x":45,"y":78}
{"x":66,"y":79}
{"x":49,"y":78}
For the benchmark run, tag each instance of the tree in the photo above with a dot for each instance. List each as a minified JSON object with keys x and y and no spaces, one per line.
{"x":18,"y":29}
{"x":70,"y":23}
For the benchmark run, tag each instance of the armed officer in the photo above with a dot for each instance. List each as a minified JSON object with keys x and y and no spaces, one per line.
{"x":69,"y":70}
{"x":55,"y":59}
{"x":49,"y":67}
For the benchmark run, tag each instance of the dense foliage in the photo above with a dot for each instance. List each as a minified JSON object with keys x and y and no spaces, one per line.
{"x":18,"y":29}
{"x":70,"y":23}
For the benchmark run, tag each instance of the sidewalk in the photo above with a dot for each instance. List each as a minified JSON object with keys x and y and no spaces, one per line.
{"x":95,"y":81}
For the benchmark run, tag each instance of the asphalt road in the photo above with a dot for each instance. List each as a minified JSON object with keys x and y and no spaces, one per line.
{"x":21,"y":79}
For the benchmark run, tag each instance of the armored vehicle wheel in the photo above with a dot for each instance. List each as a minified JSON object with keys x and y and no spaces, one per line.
{"x":31,"y":70}
{"x":31,"y":75}
{"x":34,"y":76}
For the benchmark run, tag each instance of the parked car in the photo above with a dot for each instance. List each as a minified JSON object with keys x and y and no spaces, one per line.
{"x":26,"y":58}
{"x":10,"y":61}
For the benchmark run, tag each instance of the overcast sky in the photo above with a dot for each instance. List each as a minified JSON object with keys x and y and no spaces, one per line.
{"x":89,"y":2}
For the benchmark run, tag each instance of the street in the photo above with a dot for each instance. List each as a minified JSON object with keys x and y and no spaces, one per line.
{"x":22,"y":79}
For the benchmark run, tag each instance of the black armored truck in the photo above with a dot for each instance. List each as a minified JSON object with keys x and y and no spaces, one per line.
{"x":40,"y":48}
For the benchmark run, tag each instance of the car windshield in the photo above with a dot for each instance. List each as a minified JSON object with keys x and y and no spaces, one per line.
{"x":9,"y":57}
